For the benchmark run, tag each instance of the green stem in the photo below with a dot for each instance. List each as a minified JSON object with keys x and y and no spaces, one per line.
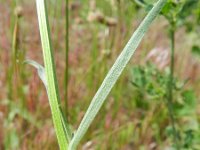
{"x":12,"y":66}
{"x":61,"y":127}
{"x":66,"y":58}
{"x":171,"y":87}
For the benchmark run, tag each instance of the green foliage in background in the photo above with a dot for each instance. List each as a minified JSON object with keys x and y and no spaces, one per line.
{"x":150,"y":89}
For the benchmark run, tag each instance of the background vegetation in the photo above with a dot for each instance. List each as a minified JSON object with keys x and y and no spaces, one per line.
{"x":136,"y":114}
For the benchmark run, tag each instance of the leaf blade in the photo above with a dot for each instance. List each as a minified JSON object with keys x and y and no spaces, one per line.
{"x":114,"y":74}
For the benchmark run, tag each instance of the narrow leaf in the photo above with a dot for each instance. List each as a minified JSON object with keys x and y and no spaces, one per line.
{"x":114,"y":74}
